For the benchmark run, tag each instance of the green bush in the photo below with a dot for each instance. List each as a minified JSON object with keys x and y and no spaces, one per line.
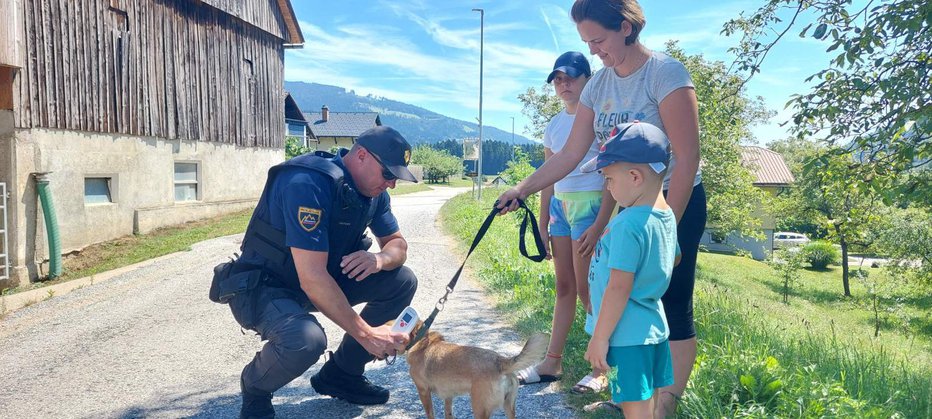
{"x":820,"y":254}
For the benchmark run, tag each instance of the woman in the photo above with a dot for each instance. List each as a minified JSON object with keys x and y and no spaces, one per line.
{"x":573,"y":213}
{"x":637,"y":83}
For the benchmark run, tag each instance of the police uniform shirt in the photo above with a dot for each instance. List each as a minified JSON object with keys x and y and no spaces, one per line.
{"x":300,"y":202}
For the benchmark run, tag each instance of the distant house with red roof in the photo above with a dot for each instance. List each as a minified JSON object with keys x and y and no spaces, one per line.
{"x":772,"y":175}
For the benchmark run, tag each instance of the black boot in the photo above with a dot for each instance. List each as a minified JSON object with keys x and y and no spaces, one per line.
{"x":256,"y":404}
{"x":356,"y":389}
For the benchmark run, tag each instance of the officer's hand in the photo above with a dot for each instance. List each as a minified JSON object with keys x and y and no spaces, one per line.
{"x":360,"y":264}
{"x":381,"y":342}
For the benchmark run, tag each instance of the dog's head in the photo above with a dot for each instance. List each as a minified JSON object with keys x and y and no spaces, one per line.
{"x":414,"y":332}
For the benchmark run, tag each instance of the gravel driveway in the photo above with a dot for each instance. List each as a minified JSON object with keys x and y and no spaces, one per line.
{"x":149,"y":343}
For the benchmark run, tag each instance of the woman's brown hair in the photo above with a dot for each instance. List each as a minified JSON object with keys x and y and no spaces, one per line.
{"x":610,"y":13}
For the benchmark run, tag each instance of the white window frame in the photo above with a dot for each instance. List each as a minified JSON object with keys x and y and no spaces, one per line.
{"x":198,"y":184}
{"x":112,"y":182}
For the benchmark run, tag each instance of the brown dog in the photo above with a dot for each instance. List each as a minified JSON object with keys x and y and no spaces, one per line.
{"x":447,"y":369}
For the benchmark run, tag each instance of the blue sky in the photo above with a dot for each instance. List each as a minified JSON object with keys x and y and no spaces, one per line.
{"x":426,"y":52}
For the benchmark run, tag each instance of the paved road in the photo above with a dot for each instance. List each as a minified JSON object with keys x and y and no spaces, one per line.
{"x":149,"y":343}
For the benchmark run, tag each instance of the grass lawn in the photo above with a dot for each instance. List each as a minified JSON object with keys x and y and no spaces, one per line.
{"x":758,"y":357}
{"x":406,"y":188}
{"x":128,"y":250}
{"x":458,"y":183}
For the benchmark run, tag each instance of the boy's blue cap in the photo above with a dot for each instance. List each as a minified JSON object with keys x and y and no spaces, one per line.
{"x":573,"y":63}
{"x":634,"y":142}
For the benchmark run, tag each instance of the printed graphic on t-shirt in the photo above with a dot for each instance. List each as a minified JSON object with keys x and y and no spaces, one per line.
{"x":608,"y":118}
{"x":309,"y":218}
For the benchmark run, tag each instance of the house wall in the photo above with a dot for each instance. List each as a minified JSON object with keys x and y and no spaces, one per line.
{"x":733,"y":243}
{"x":325,"y":143}
{"x":759,"y":249}
{"x":142,"y":178}
{"x":6,"y":176}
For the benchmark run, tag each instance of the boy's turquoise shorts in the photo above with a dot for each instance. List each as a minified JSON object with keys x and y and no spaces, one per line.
{"x":640,"y":370}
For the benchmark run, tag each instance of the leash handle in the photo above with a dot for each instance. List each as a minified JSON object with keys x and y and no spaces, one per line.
{"x":528,"y":214}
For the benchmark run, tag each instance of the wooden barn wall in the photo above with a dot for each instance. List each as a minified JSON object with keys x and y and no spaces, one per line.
{"x":263,"y":14}
{"x":165,"y":68}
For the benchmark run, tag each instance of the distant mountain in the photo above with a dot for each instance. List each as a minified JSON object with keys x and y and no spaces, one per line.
{"x":417,"y":124}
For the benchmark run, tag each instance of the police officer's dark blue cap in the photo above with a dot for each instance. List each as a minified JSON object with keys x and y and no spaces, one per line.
{"x":634,"y":142}
{"x":391,"y":148}
{"x":573,"y":63}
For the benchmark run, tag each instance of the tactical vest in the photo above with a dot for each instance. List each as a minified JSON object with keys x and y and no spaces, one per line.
{"x":349,"y":215}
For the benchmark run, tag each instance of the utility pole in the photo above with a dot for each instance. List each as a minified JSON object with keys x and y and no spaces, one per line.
{"x":481,"y":48}
{"x":512,"y":138}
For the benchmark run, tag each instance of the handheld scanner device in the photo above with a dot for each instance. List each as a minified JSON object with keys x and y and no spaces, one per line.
{"x":406,"y":320}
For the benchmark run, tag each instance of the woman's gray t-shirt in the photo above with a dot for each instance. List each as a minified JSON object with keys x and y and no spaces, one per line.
{"x":616,"y":100}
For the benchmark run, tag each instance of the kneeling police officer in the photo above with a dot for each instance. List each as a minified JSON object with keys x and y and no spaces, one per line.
{"x":305,"y":250}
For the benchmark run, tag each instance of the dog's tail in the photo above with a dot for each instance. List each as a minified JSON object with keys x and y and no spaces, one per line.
{"x":532,"y":353}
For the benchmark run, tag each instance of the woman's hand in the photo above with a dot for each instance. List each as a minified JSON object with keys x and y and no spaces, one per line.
{"x":508,"y":201}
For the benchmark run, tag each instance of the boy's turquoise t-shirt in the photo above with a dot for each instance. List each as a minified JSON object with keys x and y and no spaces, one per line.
{"x":641,"y":240}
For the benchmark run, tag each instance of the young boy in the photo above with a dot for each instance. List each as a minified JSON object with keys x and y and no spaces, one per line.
{"x":631,"y":269}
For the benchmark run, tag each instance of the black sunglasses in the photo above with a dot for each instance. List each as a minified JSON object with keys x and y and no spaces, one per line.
{"x":386,"y":174}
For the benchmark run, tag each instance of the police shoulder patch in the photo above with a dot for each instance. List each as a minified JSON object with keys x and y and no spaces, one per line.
{"x":309,"y":218}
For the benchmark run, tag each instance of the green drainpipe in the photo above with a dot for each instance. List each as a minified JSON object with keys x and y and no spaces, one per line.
{"x":51,"y":224}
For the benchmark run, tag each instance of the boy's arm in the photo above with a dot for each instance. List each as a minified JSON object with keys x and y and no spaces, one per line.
{"x":614,"y":302}
{"x":617,"y":293}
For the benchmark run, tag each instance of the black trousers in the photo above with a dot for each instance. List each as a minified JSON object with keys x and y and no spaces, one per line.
{"x":296,"y":340}
{"x":678,"y":300}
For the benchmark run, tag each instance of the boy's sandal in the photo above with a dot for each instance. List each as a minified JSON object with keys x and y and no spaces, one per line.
{"x":590,"y":384}
{"x":602,"y":406}
{"x":529,"y":375}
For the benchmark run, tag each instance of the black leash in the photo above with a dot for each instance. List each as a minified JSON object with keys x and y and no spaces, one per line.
{"x":541,"y":254}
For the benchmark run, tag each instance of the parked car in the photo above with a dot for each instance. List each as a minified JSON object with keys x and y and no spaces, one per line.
{"x":784,"y":239}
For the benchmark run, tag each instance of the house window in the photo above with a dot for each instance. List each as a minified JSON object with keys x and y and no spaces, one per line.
{"x":186,"y":181}
{"x":97,"y":190}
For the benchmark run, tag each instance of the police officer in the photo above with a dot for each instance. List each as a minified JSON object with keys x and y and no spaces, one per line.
{"x":307,"y":236}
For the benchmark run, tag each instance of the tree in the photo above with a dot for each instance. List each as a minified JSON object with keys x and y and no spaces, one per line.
{"x":517,"y":170}
{"x":787,"y":263}
{"x":847,"y":208}
{"x":452,"y":147}
{"x":438,"y":165}
{"x":535,"y":153}
{"x":872,"y":98}
{"x":539,"y":107}
{"x":294,"y":147}
{"x":796,"y":152}
{"x":906,"y":240}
